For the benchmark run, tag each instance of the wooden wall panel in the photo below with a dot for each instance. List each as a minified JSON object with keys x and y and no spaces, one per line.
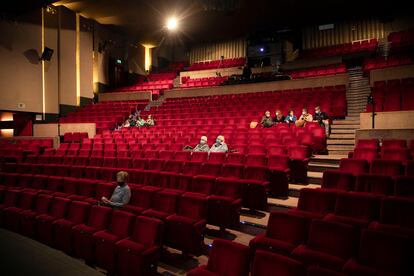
{"x":213,"y":51}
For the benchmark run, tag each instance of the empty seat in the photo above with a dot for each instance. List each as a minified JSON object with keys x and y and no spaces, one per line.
{"x":330,"y":245}
{"x":409,"y":168}
{"x":203,"y":185}
{"x":374,"y":183}
{"x":387,"y":167}
{"x":99,"y":218}
{"x":217,"y":157}
{"x":266,"y":263}
{"x":25,"y":201}
{"x":382,"y":253}
{"x":299,"y":163}
{"x":285,"y":231}
{"x":396,"y":154}
{"x":394,"y":143}
{"x":104,"y":241}
{"x":338,"y":180}
{"x":404,"y":186}
{"x":27,"y":217}
{"x":226,"y":258}
{"x":354,"y":166}
{"x":365,"y":154}
{"x":367,"y":143}
{"x":315,"y":203}
{"x":163,"y":205}
{"x":142,"y":248}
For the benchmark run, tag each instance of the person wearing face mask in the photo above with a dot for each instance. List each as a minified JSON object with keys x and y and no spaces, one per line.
{"x":219,"y":145}
{"x":322,"y":119}
{"x":121,"y":194}
{"x":201,"y":147}
{"x":290,"y":118}
{"x":279,"y":118}
{"x":267,"y":120}
{"x":150,"y":121}
{"x":304,"y":118}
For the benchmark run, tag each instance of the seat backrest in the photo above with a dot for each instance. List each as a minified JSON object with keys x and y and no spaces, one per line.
{"x":386,"y":252}
{"x":366,"y":154}
{"x":404,"y":186}
{"x":368,"y":143}
{"x":354,"y":166}
{"x":193,"y":207}
{"x":333,"y":238}
{"x":26,"y":200}
{"x":394,"y":143}
{"x":78,"y":211}
{"x":268,"y":263}
{"x":173,"y":166}
{"x":217,"y":157}
{"x":387,"y":167}
{"x":397,"y":211}
{"x":232,"y":170}
{"x":121,"y":223}
{"x":11,"y":197}
{"x":256,"y":173}
{"x":374,"y":183}
{"x":165,"y":201}
{"x":213,"y":169}
{"x":192,"y":168}
{"x":199,"y":156}
{"x":317,"y":200}
{"x":99,"y":217}
{"x":360,"y":206}
{"x":148,"y":231}
{"x":278,"y":162}
{"x":229,"y":258}
{"x":332,"y":179}
{"x":228,"y":188}
{"x":395,"y":154}
{"x":70,"y":185}
{"x":203,"y":184}
{"x":235,"y":158}
{"x":295,"y":227}
{"x":59,"y":208}
{"x":255,"y":160}
{"x":43,"y":203}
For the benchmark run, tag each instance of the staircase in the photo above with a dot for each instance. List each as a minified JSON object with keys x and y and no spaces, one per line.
{"x":342,"y":138}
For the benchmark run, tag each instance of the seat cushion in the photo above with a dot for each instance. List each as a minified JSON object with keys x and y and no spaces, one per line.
{"x":129,"y":245}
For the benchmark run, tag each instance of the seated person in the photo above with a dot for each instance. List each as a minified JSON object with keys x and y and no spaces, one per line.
{"x":304,"y":118}
{"x":150,"y":121}
{"x":201,"y":147}
{"x":219,"y":146}
{"x":322,"y":119}
{"x":121,"y":194}
{"x":279,"y":118}
{"x":132,"y":120}
{"x":140,"y":122}
{"x":290,"y":118}
{"x":267,"y":120}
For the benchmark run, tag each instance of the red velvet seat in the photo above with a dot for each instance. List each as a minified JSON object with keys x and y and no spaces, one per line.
{"x":299,"y":162}
{"x":226,"y":259}
{"x":354,"y":166}
{"x":11,"y":214}
{"x":375,"y":183}
{"x":396,"y":154}
{"x":27,"y":217}
{"x":330,"y":245}
{"x":338,"y":180}
{"x":141,"y":199}
{"x":404,"y":186}
{"x":202,"y":185}
{"x":285,"y":231}
{"x":368,"y":154}
{"x":139,"y":254}
{"x":315,"y":203}
{"x":105,"y":240}
{"x":255,"y":186}
{"x":185,"y":229}
{"x":62,"y":228}
{"x":267,"y":263}
{"x":164,"y":204}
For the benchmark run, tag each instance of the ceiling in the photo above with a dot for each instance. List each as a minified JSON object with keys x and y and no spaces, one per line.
{"x":207,"y":20}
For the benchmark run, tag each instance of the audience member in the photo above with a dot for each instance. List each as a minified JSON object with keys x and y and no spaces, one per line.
{"x":150,"y":121}
{"x":304,"y":118}
{"x":121,"y":194}
{"x":201,"y":147}
{"x":219,"y":146}
{"x":279,"y":118}
{"x":267,"y":120}
{"x":322,"y":119}
{"x":290,"y":118}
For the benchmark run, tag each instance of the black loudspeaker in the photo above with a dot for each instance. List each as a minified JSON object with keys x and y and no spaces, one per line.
{"x":47,"y":54}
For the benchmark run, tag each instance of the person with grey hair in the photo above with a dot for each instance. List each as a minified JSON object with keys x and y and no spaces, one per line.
{"x":201,"y":147}
{"x":121,"y":194}
{"x":219,"y":145}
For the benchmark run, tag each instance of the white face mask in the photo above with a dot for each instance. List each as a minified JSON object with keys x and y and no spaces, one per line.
{"x":277,"y":113}
{"x":202,"y":142}
{"x":303,"y":113}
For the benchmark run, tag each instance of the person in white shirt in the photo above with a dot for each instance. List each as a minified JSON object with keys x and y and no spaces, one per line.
{"x":121,"y":194}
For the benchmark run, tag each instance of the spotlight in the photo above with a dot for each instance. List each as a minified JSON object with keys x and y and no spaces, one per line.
{"x":261,"y":50}
{"x":172,"y":23}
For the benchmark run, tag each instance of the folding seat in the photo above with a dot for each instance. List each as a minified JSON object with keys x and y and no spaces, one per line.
{"x":267,"y":263}
{"x":225,"y":203}
{"x":141,"y":199}
{"x":375,"y":183}
{"x":163,"y":205}
{"x":256,"y":149}
{"x":202,"y":185}
{"x":185,"y":229}
{"x":404,"y":186}
{"x":182,"y":155}
{"x":276,"y":150}
{"x":176,"y":147}
{"x":156,"y":165}
{"x":396,"y":216}
{"x":217,"y":157}
{"x":109,"y":162}
{"x":226,"y":258}
{"x":141,"y":249}
{"x":95,"y":161}
{"x":73,"y":150}
{"x":166,"y":155}
{"x":124,"y":163}
{"x":396,"y":154}
{"x":394,"y":144}
{"x":356,"y":209}
{"x":315,"y":203}
{"x":387,"y":167}
{"x":232,"y":171}
{"x":54,"y":183}
{"x":354,"y":166}
{"x":338,"y":180}
{"x":255,"y":160}
{"x":199,"y":156}
{"x":235,"y":158}
{"x":69,"y":187}
{"x":382,"y":253}
{"x":330,"y":245}
{"x":10,"y":199}
{"x":62,"y":228}
{"x":368,"y":144}
{"x":140,"y":163}
{"x":285,"y":231}
{"x":100,"y":190}
{"x":255,"y":184}
{"x":299,"y":162}
{"x":211,"y":169}
{"x":25,"y":201}
{"x":38,"y":184}
{"x":365,"y":154}
{"x":191,"y":168}
{"x":85,"y":189}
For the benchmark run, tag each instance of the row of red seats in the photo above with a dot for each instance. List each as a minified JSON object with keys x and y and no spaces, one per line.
{"x":17,"y":149}
{"x":401,"y":39}
{"x":214,"y":64}
{"x":393,"y":95}
{"x":370,"y":149}
{"x":318,"y":71}
{"x":75,"y":137}
{"x":343,"y":49}
{"x":109,"y":239}
{"x":201,"y":82}
{"x":381,"y":62}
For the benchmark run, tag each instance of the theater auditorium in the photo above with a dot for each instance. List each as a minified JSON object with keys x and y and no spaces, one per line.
{"x":206,"y":137}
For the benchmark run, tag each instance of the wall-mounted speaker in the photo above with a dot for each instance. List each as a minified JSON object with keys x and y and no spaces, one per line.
{"x":47,"y":54}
